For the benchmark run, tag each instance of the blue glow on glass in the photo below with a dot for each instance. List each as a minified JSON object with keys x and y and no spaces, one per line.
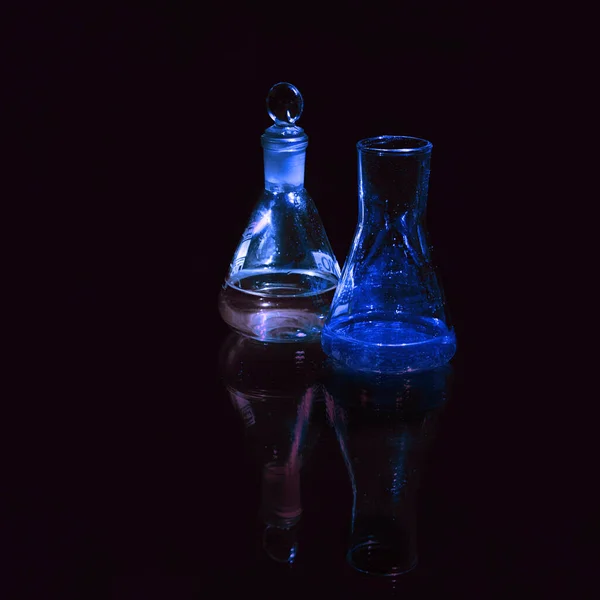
{"x":292,"y":556}
{"x":264,"y":221}
{"x":388,"y":314}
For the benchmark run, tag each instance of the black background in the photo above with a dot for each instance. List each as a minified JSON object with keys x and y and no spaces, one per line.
{"x":139,"y":161}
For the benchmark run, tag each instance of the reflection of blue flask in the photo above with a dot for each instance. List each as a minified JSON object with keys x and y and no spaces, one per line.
{"x":283,"y":274}
{"x":388,"y":314}
{"x":384,"y":425}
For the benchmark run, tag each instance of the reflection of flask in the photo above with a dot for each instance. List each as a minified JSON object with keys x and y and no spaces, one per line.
{"x":283,"y":273}
{"x":388,"y":314}
{"x":274,"y":389}
{"x":384,"y":425}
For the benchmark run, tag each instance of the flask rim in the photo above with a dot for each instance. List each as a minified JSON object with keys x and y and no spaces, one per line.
{"x":394,"y":144}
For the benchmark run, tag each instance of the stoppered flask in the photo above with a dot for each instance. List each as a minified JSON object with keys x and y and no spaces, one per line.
{"x":283,"y":274}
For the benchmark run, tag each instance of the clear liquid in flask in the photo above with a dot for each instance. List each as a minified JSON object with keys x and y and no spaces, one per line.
{"x":278,"y":305}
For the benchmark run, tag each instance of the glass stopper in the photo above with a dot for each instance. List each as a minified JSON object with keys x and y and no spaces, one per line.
{"x":284,"y":104}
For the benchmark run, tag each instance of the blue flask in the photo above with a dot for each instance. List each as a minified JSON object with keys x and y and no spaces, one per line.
{"x":388,"y":314}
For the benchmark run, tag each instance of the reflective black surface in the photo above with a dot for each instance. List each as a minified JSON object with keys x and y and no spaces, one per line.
{"x":186,"y":460}
{"x":132,"y":468}
{"x":255,"y":484}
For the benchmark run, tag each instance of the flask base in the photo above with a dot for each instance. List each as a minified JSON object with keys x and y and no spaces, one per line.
{"x":375,"y":558}
{"x":277,"y":306}
{"x":377,"y":344}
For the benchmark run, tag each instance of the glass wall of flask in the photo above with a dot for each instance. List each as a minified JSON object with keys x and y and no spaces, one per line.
{"x":389,"y":314}
{"x":283,"y":274}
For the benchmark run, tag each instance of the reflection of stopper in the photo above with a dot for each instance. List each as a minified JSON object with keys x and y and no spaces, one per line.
{"x":280,"y":544}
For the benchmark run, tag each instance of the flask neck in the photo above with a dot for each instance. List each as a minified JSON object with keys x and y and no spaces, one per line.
{"x":284,"y":171}
{"x":392,"y":186}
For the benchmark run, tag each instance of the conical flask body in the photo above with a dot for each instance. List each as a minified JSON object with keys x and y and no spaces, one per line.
{"x":283,"y":274}
{"x":388,"y":313}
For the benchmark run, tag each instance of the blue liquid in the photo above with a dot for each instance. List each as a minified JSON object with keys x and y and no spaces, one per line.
{"x":374,"y":343}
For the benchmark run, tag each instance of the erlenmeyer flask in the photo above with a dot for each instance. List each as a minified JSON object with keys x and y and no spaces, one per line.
{"x":283,"y":274}
{"x":388,"y":314}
